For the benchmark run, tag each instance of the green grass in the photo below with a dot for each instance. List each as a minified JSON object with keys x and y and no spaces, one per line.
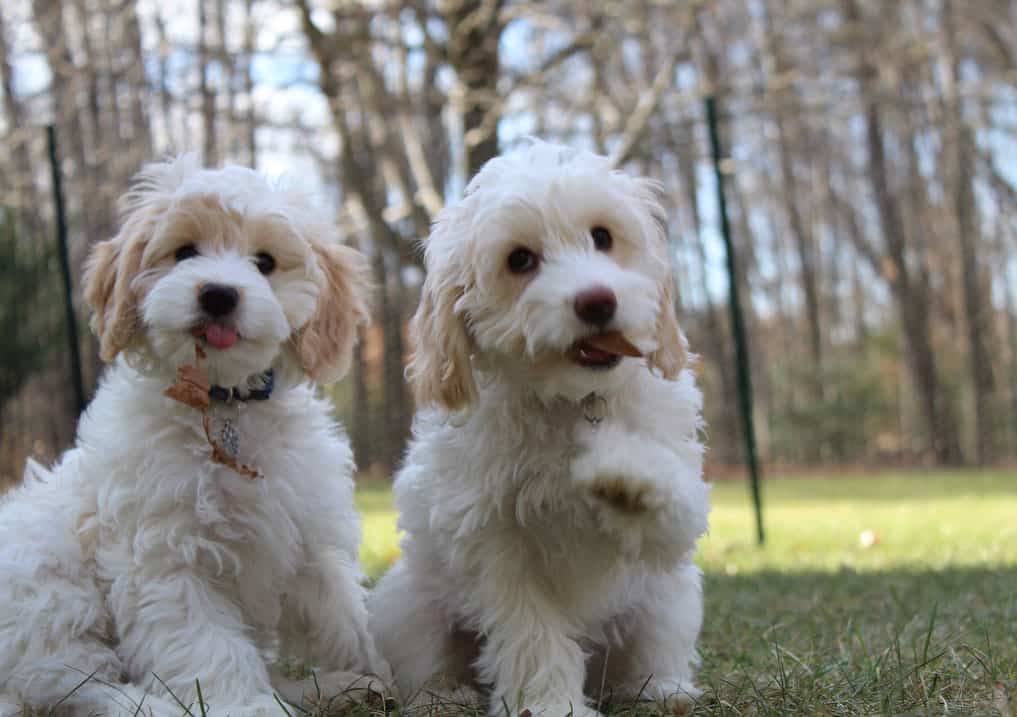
{"x":887,"y":594}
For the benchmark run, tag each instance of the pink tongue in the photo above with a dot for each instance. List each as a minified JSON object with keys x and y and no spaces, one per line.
{"x":222,"y":337}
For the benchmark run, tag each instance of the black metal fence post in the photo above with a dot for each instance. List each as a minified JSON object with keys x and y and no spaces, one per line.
{"x":737,"y":325}
{"x":65,"y":269}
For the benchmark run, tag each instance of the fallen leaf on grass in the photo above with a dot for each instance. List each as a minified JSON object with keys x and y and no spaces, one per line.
{"x":1001,"y":701}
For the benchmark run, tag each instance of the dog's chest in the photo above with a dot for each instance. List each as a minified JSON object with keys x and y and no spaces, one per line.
{"x":179,"y":502}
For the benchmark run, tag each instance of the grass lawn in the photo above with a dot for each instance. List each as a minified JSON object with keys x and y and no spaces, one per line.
{"x":886,"y":594}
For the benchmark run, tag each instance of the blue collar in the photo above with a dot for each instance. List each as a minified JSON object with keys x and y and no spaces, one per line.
{"x":225,"y":395}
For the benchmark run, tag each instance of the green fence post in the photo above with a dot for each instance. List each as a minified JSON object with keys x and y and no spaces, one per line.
{"x":737,"y":325}
{"x":65,"y":269}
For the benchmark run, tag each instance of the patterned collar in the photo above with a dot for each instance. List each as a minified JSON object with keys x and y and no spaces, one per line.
{"x":226,"y":395}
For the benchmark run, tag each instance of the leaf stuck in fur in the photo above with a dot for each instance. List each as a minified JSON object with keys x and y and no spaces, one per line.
{"x":192,"y":389}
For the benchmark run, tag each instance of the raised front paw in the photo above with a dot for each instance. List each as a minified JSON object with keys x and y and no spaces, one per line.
{"x":621,"y":472}
{"x":623,"y":494}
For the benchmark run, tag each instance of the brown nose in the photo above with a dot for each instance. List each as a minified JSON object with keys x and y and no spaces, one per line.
{"x":596,"y":305}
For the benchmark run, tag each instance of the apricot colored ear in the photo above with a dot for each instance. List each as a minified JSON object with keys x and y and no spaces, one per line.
{"x":440,"y":368}
{"x":324,"y":345}
{"x":109,"y":274}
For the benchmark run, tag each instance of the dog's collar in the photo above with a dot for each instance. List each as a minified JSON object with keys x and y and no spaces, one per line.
{"x":235,"y":393}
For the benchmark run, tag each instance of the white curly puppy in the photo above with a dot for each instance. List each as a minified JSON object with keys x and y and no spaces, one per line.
{"x":553,"y":498}
{"x":140,"y":556}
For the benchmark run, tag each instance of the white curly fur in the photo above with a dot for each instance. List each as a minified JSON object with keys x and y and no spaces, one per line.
{"x":546,"y":557}
{"x":137,"y":556}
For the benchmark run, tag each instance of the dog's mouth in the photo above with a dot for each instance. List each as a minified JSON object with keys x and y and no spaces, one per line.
{"x":603,"y":351}
{"x":220,"y":336}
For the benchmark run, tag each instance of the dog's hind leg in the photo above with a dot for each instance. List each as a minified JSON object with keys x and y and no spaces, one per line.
{"x":54,"y":649}
{"x":429,"y":658}
{"x":54,"y":623}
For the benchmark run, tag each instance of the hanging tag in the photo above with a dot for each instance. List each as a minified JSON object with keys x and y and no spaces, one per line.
{"x":594,"y":408}
{"x":228,"y":436}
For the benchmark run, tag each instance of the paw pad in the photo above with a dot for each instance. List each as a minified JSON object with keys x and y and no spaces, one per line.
{"x":622,"y":495}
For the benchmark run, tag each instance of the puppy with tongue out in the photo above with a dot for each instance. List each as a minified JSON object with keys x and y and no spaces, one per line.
{"x":206,"y":511}
{"x":219,"y":336}
{"x":218,"y":301}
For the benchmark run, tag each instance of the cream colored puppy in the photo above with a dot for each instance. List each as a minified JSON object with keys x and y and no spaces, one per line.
{"x":140,"y":556}
{"x":552,"y":496}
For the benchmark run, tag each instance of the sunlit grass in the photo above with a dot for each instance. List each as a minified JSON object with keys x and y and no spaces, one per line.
{"x":891,"y":594}
{"x":885,"y":594}
{"x":878,"y":522}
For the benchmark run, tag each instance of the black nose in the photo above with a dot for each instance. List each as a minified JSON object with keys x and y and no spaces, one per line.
{"x":218,"y":300}
{"x":596,"y":305}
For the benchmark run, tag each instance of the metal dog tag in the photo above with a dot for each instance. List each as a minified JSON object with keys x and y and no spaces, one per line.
{"x":594,"y":408}
{"x":228,"y":436}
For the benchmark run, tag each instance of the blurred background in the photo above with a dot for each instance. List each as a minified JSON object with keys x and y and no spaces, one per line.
{"x":870,"y":164}
{"x":870,"y":167}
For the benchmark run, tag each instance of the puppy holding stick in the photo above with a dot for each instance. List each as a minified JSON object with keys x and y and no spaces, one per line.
{"x":552,"y":495}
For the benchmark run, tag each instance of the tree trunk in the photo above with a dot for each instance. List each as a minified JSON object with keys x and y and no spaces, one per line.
{"x":26,"y":200}
{"x":976,"y":306}
{"x":49,"y":18}
{"x":210,"y":148}
{"x":474,"y":35}
{"x":141,"y":137}
{"x":227,"y":71}
{"x":715,"y":337}
{"x":165,"y":97}
{"x":783,"y":113}
{"x":361,"y":438}
{"x":912,"y":302}
{"x":251,"y":125}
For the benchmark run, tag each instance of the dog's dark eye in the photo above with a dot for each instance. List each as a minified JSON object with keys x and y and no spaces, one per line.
{"x":602,"y":238}
{"x":522,"y":261}
{"x":187,"y":251}
{"x":265,"y":262}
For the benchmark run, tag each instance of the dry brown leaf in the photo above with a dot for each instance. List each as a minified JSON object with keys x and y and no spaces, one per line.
{"x":191,"y":389}
{"x":614,"y":342}
{"x":219,"y":454}
{"x":1001,"y":700}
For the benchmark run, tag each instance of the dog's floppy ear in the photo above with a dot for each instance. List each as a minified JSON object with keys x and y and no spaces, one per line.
{"x":109,"y":274}
{"x":113,"y":264}
{"x":324,"y":345}
{"x":671,"y":353}
{"x":440,"y":368}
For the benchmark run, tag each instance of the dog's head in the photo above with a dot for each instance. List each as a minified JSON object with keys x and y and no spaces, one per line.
{"x":549,"y":249}
{"x":251,"y":271}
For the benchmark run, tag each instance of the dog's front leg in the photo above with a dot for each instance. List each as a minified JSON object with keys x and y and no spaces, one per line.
{"x":648,"y":493}
{"x":658,"y":655}
{"x":185,"y":631}
{"x":324,"y":623}
{"x":528,"y":654}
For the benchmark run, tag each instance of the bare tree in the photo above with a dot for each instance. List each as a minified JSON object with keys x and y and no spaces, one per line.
{"x":960,"y":138}
{"x":910,"y":292}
